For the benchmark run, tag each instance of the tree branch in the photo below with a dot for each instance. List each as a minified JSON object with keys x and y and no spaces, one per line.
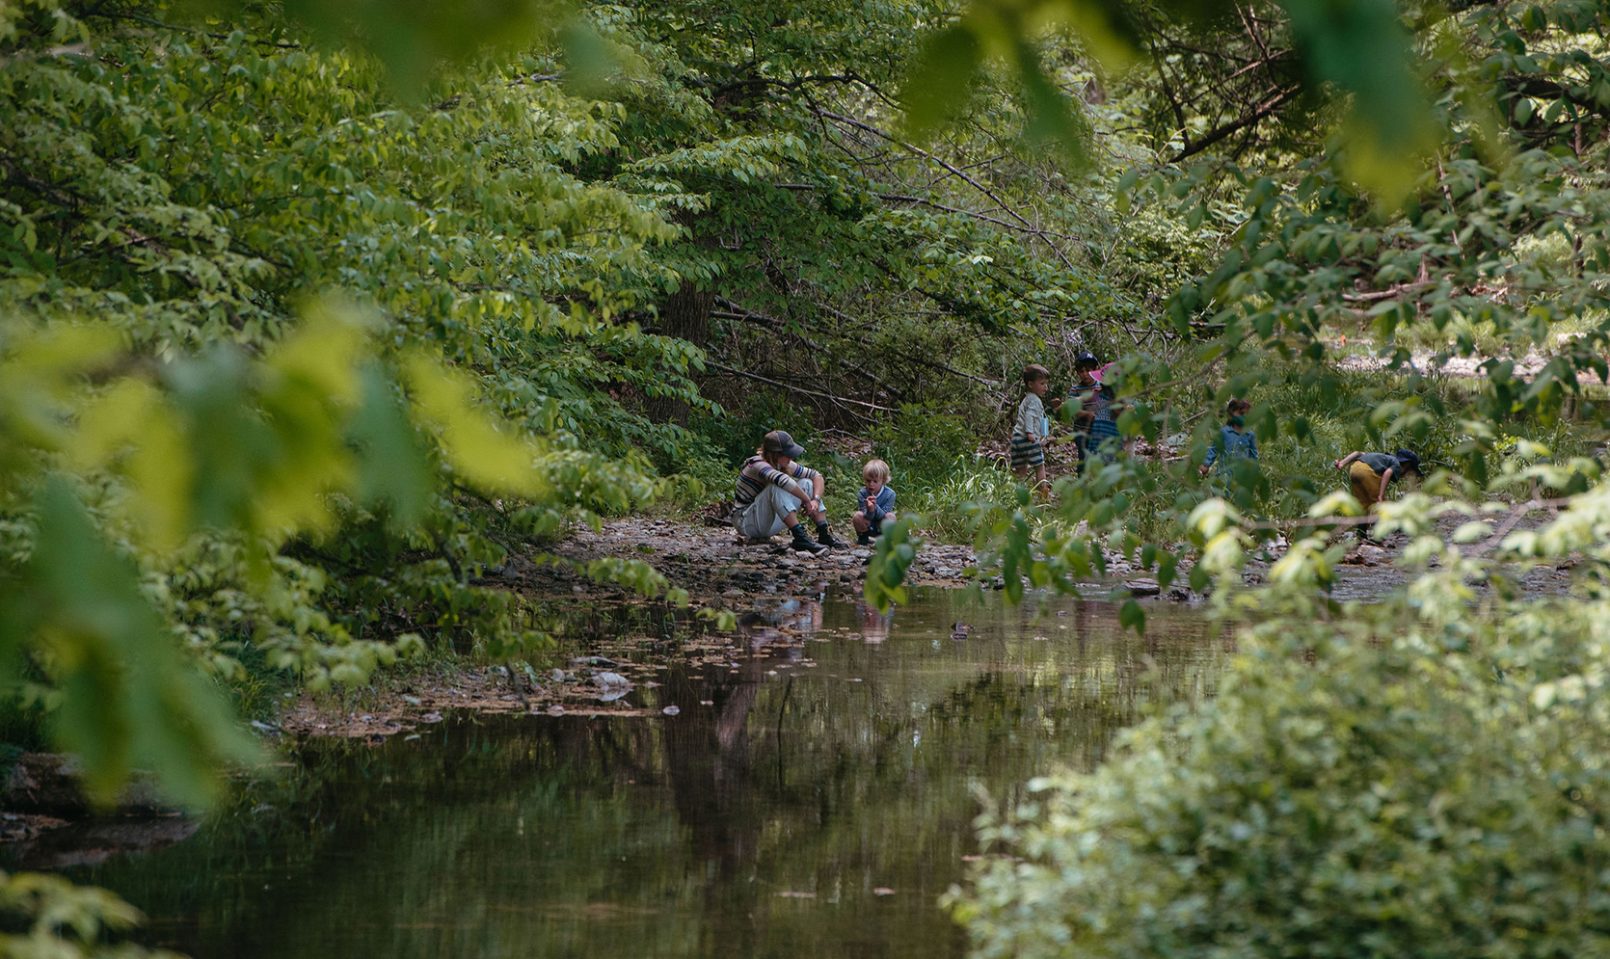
{"x":1269,"y":106}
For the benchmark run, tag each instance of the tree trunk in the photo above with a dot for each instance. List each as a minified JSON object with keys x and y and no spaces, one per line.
{"x":685,"y":315}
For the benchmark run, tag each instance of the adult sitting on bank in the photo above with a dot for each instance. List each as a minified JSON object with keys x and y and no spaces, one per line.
{"x":773,"y":490}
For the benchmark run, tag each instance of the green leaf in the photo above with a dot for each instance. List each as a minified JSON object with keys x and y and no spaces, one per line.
{"x":1132,"y":616}
{"x":940,"y":83}
{"x":130,"y":699}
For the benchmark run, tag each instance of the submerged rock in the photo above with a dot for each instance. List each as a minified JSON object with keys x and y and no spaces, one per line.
{"x":53,"y":783}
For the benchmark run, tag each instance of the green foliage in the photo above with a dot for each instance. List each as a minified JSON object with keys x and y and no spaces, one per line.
{"x":1357,"y":52}
{"x":64,"y":921}
{"x":917,"y":439}
{"x":886,"y":571}
{"x":127,"y":697}
{"x":312,"y":496}
{"x":1357,"y":799}
{"x":1413,"y":778}
{"x":955,"y":501}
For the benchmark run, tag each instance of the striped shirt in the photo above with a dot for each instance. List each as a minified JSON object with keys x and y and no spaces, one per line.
{"x":1097,"y":400}
{"x":756,"y":473}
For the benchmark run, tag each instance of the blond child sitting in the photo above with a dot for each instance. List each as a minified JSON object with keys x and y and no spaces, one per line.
{"x":876,"y":501}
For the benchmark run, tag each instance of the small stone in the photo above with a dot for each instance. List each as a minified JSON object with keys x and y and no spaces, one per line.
{"x":431,"y":717}
{"x":671,"y":710}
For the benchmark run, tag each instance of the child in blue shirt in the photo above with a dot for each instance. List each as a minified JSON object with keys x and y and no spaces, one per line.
{"x":876,"y":500}
{"x":1235,"y":442}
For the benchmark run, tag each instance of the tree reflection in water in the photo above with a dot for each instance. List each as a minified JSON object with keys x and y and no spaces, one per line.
{"x":808,"y":773}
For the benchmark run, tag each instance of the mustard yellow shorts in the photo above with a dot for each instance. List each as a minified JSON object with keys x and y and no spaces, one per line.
{"x":1366,"y":484}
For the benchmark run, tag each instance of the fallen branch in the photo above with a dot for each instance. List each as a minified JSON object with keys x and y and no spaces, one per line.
{"x":737,"y":311}
{"x":1273,"y":103}
{"x":797,"y":389}
{"x":1376,"y":296}
{"x":954,"y":170}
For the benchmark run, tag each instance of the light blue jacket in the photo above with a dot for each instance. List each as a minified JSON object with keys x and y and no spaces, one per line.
{"x":1234,"y":446}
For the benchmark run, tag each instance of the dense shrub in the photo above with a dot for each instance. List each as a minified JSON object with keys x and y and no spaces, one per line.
{"x":1434,"y":793}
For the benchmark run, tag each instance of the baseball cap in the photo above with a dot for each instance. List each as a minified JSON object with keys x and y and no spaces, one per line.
{"x":1409,"y":459}
{"x":778,"y":441}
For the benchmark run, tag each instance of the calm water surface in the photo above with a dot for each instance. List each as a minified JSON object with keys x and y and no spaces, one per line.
{"x":813,"y":798}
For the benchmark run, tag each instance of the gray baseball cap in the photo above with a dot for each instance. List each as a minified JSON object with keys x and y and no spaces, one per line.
{"x":778,"y":441}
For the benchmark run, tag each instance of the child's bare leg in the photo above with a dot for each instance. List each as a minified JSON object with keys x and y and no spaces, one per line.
{"x":1041,"y":484}
{"x":859,"y":522}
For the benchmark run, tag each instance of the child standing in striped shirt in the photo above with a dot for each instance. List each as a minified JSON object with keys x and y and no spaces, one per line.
{"x":1030,"y":427}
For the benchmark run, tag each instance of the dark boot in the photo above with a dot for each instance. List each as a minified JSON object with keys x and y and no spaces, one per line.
{"x":802,"y":540}
{"x":863,"y":539}
{"x":826,"y":538}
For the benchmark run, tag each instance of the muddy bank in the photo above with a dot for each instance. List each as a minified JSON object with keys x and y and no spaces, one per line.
{"x":583,"y":686}
{"x":708,"y":561}
{"x":772,"y":592}
{"x":49,"y":823}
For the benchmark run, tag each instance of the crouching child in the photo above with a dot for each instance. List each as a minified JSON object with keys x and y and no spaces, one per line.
{"x":877,"y":502}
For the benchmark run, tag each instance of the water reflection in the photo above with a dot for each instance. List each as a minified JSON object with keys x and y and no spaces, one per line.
{"x":811,"y":797}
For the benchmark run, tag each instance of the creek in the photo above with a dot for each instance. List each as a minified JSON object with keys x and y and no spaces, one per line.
{"x":812,"y":795}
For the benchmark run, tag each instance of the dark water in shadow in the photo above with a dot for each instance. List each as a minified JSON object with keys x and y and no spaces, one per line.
{"x":812,"y":798}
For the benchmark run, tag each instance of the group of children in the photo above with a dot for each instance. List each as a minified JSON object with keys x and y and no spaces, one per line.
{"x":1097,"y":438}
{"x":1096,"y":421}
{"x":774,"y":489}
